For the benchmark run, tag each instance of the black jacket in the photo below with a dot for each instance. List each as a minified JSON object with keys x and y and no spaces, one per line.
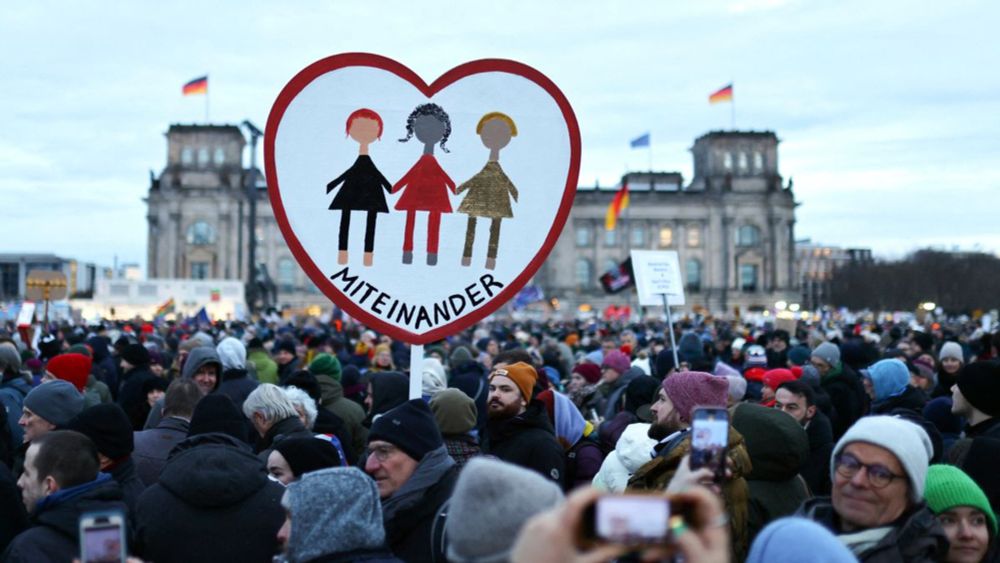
{"x":213,"y":503}
{"x":410,"y":534}
{"x":816,"y":469}
{"x":847,"y":396}
{"x":290,"y":427}
{"x":236,"y":385}
{"x":12,"y":517}
{"x":128,"y":479}
{"x":55,"y":534}
{"x":527,"y":440}
{"x":911,"y":399}
{"x":990,"y":428}
{"x":131,"y":398}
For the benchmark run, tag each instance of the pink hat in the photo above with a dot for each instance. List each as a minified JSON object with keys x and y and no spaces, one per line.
{"x":617,"y":360}
{"x":690,"y":389}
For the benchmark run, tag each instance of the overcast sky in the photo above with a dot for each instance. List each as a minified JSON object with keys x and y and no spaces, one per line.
{"x":889,"y":114}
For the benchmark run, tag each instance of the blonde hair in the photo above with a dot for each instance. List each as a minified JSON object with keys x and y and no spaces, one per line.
{"x":497,"y":115}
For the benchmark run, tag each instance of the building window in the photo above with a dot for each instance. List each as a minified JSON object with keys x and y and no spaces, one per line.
{"x":199,"y":270}
{"x":220,"y":156}
{"x":286,"y":275}
{"x":187,"y":155}
{"x":748,"y":277}
{"x":638,"y":236}
{"x":727,"y":160}
{"x":583,"y":236}
{"x":748,"y":235}
{"x":692,"y":271}
{"x":694,"y":236}
{"x":758,"y":161}
{"x":201,"y":233}
{"x":611,"y":237}
{"x":666,"y":237}
{"x":9,"y":288}
{"x":744,"y":162}
{"x":203,"y":156}
{"x":584,"y":275}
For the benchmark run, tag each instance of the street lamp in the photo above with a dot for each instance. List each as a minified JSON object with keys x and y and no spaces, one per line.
{"x":794,"y":307}
{"x":781,"y":305}
{"x":928,"y":306}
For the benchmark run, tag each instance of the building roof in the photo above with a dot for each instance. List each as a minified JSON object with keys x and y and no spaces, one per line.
{"x":203,"y":128}
{"x":738,"y":135}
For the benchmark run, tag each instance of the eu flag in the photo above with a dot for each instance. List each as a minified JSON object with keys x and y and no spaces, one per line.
{"x":641,"y":141}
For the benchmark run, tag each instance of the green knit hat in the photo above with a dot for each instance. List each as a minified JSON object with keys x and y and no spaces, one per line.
{"x":948,"y":486}
{"x":325,"y":364}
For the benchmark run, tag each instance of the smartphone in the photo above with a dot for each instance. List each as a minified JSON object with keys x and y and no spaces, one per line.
{"x":633,"y":520}
{"x":102,"y":537}
{"x":710,"y":440}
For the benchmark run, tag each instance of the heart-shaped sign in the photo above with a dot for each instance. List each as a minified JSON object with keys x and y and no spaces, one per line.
{"x":420,"y":209}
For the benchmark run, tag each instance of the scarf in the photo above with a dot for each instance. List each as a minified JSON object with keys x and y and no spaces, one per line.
{"x":430,"y":470}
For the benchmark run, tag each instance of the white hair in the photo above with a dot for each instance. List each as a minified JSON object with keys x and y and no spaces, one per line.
{"x":300,"y":398}
{"x":269,"y":401}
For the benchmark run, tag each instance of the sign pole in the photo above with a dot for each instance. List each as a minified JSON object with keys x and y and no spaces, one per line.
{"x":670,"y":327}
{"x":416,"y":370}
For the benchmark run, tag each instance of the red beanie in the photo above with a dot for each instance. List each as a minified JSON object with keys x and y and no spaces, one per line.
{"x":74,"y":368}
{"x":589,"y":371}
{"x":775,"y":377}
{"x":690,"y":389}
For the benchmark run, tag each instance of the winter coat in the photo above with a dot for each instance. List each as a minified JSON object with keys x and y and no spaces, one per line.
{"x":131,"y":398}
{"x":614,"y":392}
{"x":411,"y":513}
{"x":267,"y":369}
{"x":611,"y":430}
{"x":153,"y":446}
{"x":847,"y":396}
{"x":236,"y":385}
{"x":195,"y":360}
{"x":816,"y":469}
{"x":12,"y":394}
{"x":284,"y":429}
{"x":527,"y":440}
{"x":347,"y":410}
{"x":125,"y":475}
{"x":633,"y":450}
{"x":213,"y":503}
{"x":778,"y":446}
{"x":989,"y":428}
{"x":911,"y":398}
{"x":658,"y":472}
{"x":471,"y":380}
{"x":55,"y":533}
{"x":583,"y":461}
{"x":14,"y":519}
{"x":916,"y":537}
{"x":286,"y":370}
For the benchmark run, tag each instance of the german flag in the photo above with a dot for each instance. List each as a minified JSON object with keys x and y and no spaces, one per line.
{"x":618,"y":204}
{"x":197,"y":86}
{"x":724,"y":94}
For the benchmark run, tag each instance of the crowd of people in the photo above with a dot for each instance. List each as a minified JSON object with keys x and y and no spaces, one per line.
{"x":300,"y":441}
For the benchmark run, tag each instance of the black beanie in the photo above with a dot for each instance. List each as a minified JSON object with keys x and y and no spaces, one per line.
{"x":108,"y":427}
{"x":410,"y":427}
{"x":136,"y":354}
{"x":286,"y":345}
{"x":308,"y":454}
{"x":980,"y":385}
{"x":217,"y":413}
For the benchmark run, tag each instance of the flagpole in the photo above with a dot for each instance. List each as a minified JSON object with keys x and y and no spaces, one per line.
{"x":732,"y":107}
{"x":206,"y":106}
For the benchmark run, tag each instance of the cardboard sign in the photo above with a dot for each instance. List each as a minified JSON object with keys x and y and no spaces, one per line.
{"x":420,"y":209}
{"x":26,"y":316}
{"x":657,"y":273}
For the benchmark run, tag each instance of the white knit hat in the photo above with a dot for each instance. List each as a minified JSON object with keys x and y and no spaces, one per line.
{"x":905,"y":440}
{"x":951,"y":350}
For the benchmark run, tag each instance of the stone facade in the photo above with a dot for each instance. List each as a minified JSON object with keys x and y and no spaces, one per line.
{"x":732,"y":226}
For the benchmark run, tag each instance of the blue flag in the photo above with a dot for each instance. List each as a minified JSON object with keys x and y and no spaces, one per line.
{"x":202,"y":317}
{"x":641,"y":141}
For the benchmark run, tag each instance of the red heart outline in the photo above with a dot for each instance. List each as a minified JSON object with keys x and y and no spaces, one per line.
{"x":335,"y":62}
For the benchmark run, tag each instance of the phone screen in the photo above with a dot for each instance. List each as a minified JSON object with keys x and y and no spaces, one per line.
{"x":632,"y":519}
{"x":709,"y":438}
{"x":102,"y":544}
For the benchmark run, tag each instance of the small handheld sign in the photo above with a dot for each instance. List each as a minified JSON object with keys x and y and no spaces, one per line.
{"x":658,"y":282}
{"x":420,"y":208}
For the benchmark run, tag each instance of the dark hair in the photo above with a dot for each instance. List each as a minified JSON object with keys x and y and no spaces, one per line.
{"x":434,"y":111}
{"x":306,"y":381}
{"x":802,"y":389}
{"x":67,"y":456}
{"x":513,"y":356}
{"x":181,"y":398}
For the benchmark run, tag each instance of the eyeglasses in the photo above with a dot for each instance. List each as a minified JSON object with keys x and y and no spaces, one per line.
{"x":878,"y":475}
{"x":381,"y":453}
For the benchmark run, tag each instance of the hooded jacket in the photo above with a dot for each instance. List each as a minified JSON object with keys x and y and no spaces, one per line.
{"x":131,"y":398}
{"x":332,"y":399}
{"x":213,"y":503}
{"x":527,"y":440}
{"x":847,"y":397}
{"x":631,"y":452}
{"x":55,"y":535}
{"x":234,"y":379}
{"x":196,"y":359}
{"x":153,"y":446}
{"x":266,"y":368}
{"x":778,"y":446}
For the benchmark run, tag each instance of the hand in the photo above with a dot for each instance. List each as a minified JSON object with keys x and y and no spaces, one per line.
{"x":549,"y":537}
{"x":686,"y":478}
{"x":706,"y":538}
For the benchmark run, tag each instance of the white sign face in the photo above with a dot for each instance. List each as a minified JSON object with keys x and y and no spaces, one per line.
{"x":26,"y":315}
{"x":420,"y":209}
{"x":657,"y":273}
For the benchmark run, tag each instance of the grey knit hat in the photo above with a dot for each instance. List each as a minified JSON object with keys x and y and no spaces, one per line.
{"x":334,"y":511}
{"x":9,"y":357}
{"x":904,"y":439}
{"x":491,"y":501}
{"x":951,"y":350}
{"x":56,"y":401}
{"x":828,"y":352}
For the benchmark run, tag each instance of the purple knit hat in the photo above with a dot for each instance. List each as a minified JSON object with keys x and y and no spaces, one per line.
{"x":690,"y":389}
{"x":617,"y":360}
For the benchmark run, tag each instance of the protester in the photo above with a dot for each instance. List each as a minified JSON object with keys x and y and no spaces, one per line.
{"x":582,"y":388}
{"x":48,"y":407}
{"x":773,"y":378}
{"x":798,"y":400}
{"x":385,"y":391}
{"x":293,"y":457}
{"x":976,"y":396}
{"x":519,"y":430}
{"x":951,"y":358}
{"x":334,"y":515}
{"x":455,"y":415}
{"x":415,"y":477}
{"x":963,"y":511}
{"x":273,"y":417}
{"x":787,"y":540}
{"x":61,"y":482}
{"x":433,"y":378}
{"x":265,"y":368}
{"x":877,"y":509}
{"x":187,"y":516}
{"x":841,"y":383}
{"x":286,"y":357}
{"x":74,"y":368}
{"x":583,"y":456}
{"x":153,"y":446}
{"x":109,"y":429}
{"x":630,"y":453}
{"x":490,"y":504}
{"x":326,"y":368}
{"x":13,"y":389}
{"x":887,"y":383}
{"x":15,"y":518}
{"x":616,"y":373}
{"x":135,"y":374}
{"x":235,"y":380}
{"x":320,"y":421}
